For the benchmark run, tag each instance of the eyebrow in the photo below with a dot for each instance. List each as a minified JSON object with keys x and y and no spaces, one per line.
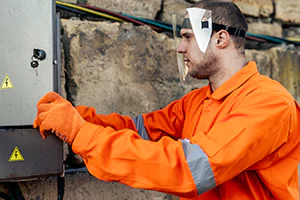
{"x":186,"y":34}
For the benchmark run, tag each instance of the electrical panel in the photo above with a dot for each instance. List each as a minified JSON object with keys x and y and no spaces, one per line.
{"x":29,"y":68}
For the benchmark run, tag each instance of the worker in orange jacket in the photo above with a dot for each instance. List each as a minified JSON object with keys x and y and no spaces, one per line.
{"x":237,"y":138}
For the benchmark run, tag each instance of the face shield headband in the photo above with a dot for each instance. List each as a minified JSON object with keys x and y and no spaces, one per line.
{"x":217,"y":27}
{"x":200,"y":22}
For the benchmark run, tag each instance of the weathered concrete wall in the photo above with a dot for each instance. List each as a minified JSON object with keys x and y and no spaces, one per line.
{"x":281,"y":64}
{"x":106,"y":56}
{"x":83,"y":186}
{"x":118,"y":67}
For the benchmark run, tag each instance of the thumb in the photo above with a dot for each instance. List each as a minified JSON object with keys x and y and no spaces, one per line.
{"x":35,"y":123}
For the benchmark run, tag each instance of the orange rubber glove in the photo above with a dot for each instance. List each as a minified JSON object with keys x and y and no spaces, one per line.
{"x":57,"y":115}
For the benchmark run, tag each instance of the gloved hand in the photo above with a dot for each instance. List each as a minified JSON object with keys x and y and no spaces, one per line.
{"x":58,"y":116}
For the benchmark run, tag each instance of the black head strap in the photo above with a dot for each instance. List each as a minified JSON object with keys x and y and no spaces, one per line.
{"x":231,"y":30}
{"x":216,"y":27}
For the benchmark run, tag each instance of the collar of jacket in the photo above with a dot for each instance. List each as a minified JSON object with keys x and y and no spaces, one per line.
{"x":234,"y":82}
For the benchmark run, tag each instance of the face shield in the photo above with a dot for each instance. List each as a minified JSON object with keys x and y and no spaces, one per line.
{"x":199,"y":20}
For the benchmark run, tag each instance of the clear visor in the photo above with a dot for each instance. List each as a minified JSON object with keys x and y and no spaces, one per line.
{"x":182,"y":68}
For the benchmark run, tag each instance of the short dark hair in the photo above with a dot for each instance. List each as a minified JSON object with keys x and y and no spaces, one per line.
{"x":226,"y":13}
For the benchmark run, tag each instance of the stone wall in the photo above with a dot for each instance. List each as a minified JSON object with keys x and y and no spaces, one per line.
{"x":119,"y":67}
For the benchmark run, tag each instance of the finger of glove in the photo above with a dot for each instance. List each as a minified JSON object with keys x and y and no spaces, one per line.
{"x":49,"y":97}
{"x":46,"y":133}
{"x":40,"y":119}
{"x":41,"y":108}
{"x":46,"y":128}
{"x":43,"y":116}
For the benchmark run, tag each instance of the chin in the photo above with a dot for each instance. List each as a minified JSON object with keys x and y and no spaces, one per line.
{"x":198,"y":76}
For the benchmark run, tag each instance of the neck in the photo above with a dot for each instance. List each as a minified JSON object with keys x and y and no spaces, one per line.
{"x":231,"y":65}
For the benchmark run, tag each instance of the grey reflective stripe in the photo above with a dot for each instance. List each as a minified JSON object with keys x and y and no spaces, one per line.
{"x":139,"y":124}
{"x":199,"y":166}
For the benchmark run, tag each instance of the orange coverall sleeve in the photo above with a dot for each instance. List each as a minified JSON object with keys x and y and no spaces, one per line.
{"x":114,"y":120}
{"x":125,"y":157}
{"x":152,"y":126}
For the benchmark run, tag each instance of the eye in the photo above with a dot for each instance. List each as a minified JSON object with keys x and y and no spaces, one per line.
{"x":187,"y":37}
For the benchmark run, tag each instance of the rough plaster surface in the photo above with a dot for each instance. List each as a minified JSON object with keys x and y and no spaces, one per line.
{"x":262,"y":59}
{"x":255,"y":8}
{"x":272,"y":29}
{"x":109,"y":70}
{"x":177,"y":7}
{"x":288,"y":11}
{"x":281,"y":64}
{"x":292,"y":32}
{"x":82,"y":186}
{"x":138,"y":8}
{"x":286,"y":69}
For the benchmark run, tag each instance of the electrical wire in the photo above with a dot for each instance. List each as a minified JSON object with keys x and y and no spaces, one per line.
{"x":86,"y":10}
{"x":272,"y":39}
{"x":151,"y":22}
{"x":120,"y":16}
{"x":89,"y":11}
{"x":255,"y":39}
{"x":60,"y":187}
{"x":71,"y":10}
{"x":293,"y":39}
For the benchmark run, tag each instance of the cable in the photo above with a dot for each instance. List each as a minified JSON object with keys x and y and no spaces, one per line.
{"x":293,"y":39}
{"x":89,"y":11}
{"x":71,"y":10}
{"x":265,"y":37}
{"x":60,"y":187}
{"x":76,"y":170}
{"x":255,"y":39}
{"x":274,"y":39}
{"x":155,"y":23}
{"x":128,"y":19}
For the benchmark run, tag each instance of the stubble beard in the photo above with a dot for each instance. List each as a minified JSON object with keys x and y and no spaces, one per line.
{"x":207,"y":67}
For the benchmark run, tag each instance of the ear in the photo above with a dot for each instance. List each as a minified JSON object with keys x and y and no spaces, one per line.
{"x":222,"y":39}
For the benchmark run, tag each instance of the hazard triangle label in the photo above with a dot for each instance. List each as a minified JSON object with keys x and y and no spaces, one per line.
{"x":16,"y":155}
{"x":6,"y":83}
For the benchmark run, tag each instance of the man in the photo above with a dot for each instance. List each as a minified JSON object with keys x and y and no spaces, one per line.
{"x":237,"y":138}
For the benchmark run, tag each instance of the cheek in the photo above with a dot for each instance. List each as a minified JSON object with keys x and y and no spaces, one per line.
{"x":197,"y":56}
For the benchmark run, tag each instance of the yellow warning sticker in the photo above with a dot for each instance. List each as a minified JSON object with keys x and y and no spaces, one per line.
{"x":6,"y":84}
{"x":16,"y":155}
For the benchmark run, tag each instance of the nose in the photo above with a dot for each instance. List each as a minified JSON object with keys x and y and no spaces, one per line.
{"x":181,"y":47}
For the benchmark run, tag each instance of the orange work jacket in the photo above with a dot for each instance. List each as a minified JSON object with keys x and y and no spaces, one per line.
{"x":239,"y":142}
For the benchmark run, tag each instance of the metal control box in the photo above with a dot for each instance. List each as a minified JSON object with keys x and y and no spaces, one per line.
{"x":29,"y":68}
{"x":25,"y":26}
